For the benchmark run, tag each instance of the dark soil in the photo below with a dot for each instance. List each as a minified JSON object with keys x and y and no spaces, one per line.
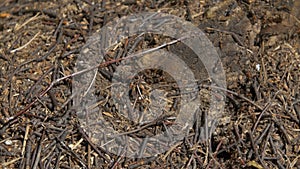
{"x":258,"y":42}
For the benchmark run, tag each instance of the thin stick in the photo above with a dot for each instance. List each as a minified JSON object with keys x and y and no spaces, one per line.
{"x":18,"y":27}
{"x":25,"y":139}
{"x":234,"y":93}
{"x":20,"y":48}
{"x":10,"y":162}
{"x":263,"y":111}
{"x":170,"y":150}
{"x":38,"y":151}
{"x":93,"y":145}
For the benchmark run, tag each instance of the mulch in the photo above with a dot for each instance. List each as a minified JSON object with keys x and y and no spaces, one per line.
{"x":258,"y":43}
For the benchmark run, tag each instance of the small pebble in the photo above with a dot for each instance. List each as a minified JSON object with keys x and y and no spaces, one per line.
{"x":8,"y":142}
{"x":257,"y":67}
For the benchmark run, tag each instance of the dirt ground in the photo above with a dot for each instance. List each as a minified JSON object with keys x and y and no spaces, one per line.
{"x":258,"y":42}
